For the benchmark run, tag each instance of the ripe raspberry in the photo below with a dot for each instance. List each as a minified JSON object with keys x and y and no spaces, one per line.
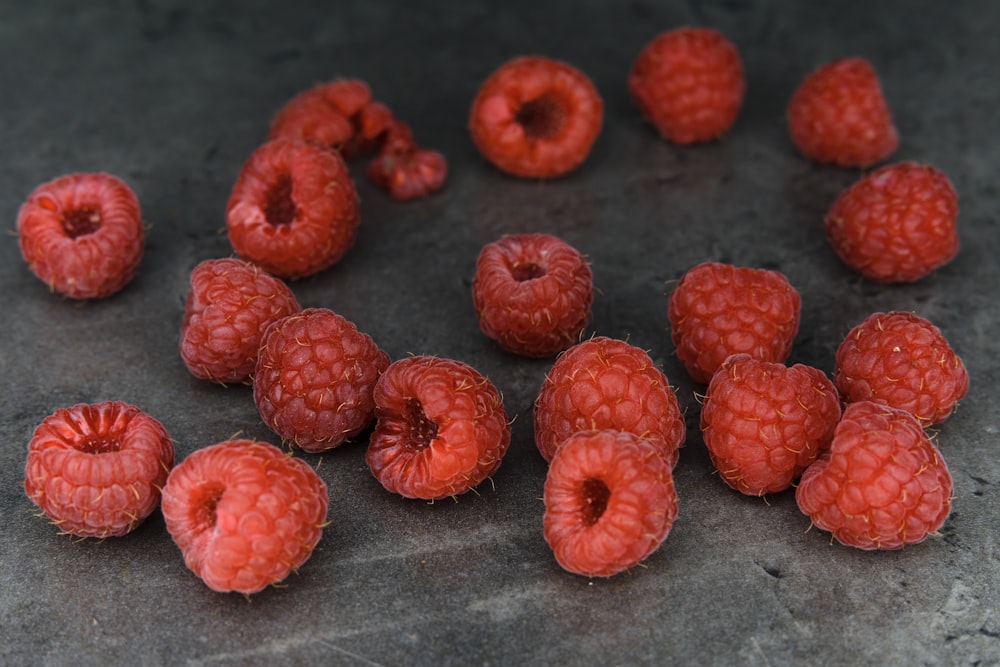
{"x":97,"y":470}
{"x":313,"y":116}
{"x":839,"y":116}
{"x":901,"y":360}
{"x":82,"y":234}
{"x":536,"y":117}
{"x":688,"y":82}
{"x":441,"y":428}
{"x":764,"y":422}
{"x":718,"y":309}
{"x":405,"y":170}
{"x":896,"y":224}
{"x":244,"y":514}
{"x":229,"y":305}
{"x":293,"y":210}
{"x":532,"y":294}
{"x":609,"y":502}
{"x":881,"y":485}
{"x":607,"y":384}
{"x":314,"y":378}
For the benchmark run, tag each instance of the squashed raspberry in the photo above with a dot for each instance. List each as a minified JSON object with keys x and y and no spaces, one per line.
{"x":688,"y":82}
{"x":763,"y":422}
{"x":314,"y":378}
{"x":718,"y":309}
{"x":532,"y":293}
{"x":607,"y":384}
{"x":536,"y":117}
{"x":228,"y":306}
{"x":244,"y":514}
{"x":881,"y":485}
{"x":82,"y":234}
{"x":97,"y":470}
{"x":609,"y":502}
{"x":904,"y":361}
{"x":897,"y":224}
{"x":293,"y":210}
{"x":441,"y":428}
{"x":405,"y":170}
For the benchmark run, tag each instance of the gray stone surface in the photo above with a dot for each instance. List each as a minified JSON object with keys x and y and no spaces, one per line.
{"x":173,"y":96}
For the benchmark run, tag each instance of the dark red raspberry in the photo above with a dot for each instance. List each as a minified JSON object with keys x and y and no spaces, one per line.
{"x":719,"y":309}
{"x":536,"y":117}
{"x":228,"y":306}
{"x":607,"y":384}
{"x":314,"y":378}
{"x":902,"y":360}
{"x":764,"y":422}
{"x":609,"y":502}
{"x":405,"y":170}
{"x":244,"y":514}
{"x":532,"y":293}
{"x":97,"y":470}
{"x":293,"y":210}
{"x":82,"y":234}
{"x":688,"y":82}
{"x":897,"y":224}
{"x":881,"y":485}
{"x":441,"y":428}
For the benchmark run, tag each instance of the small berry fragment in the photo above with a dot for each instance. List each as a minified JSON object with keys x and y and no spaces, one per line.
{"x":405,"y":170}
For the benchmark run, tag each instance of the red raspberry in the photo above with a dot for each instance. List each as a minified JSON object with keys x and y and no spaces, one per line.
{"x":688,"y":82}
{"x":609,"y":502}
{"x":82,"y":234}
{"x":532,"y":294}
{"x":244,"y":514}
{"x":97,"y":470}
{"x":314,"y":378}
{"x":896,"y":224}
{"x":902,"y":360}
{"x":607,"y":384}
{"x":536,"y":117}
{"x":764,"y":422}
{"x":229,"y":305}
{"x":293,"y":210}
{"x":839,"y":116}
{"x":313,"y":116}
{"x":881,"y":485}
{"x":405,"y":170}
{"x":441,"y":428}
{"x":718,"y":309}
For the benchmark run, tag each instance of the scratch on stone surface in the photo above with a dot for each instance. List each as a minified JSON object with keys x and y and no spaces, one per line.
{"x":763,"y":655}
{"x":360,"y":658}
{"x":277,"y":647}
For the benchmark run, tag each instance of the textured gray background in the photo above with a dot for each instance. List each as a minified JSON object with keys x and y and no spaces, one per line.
{"x":173,"y":96}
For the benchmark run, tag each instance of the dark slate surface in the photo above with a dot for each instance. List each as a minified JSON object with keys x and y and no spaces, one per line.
{"x":173,"y":96}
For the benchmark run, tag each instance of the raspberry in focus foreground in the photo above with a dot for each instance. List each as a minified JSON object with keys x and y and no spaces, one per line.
{"x":97,"y":470}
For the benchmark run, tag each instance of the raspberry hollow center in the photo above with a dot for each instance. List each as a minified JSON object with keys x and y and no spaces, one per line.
{"x":279,"y":208}
{"x":541,"y":118}
{"x":100,"y":445}
{"x":422,"y":430}
{"x":81,"y":221}
{"x":594,"y":498}
{"x":529,"y":271}
{"x":204,"y":507}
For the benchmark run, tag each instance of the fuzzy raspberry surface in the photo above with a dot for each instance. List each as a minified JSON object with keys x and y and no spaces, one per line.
{"x":244,"y":514}
{"x":82,"y":234}
{"x":609,"y":500}
{"x":96,"y":470}
{"x":607,"y":384}
{"x":881,"y":485}
{"x":441,"y":428}
{"x":314,"y":378}
{"x":324,"y":115}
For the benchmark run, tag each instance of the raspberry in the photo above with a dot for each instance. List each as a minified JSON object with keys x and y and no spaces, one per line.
{"x":881,"y":485}
{"x":313,"y":116}
{"x":688,"y":82}
{"x":314,"y":378}
{"x":228,"y":306}
{"x":441,"y":428}
{"x":82,"y":234}
{"x":838,"y":115}
{"x":764,"y":423}
{"x":897,"y":224}
{"x":607,"y":384}
{"x":293,"y":210}
{"x":609,"y":502}
{"x":532,"y":294}
{"x":244,"y":514}
{"x":901,"y":360}
{"x":405,"y":170}
{"x":536,"y":117}
{"x":97,"y":470}
{"x":718,"y":309}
